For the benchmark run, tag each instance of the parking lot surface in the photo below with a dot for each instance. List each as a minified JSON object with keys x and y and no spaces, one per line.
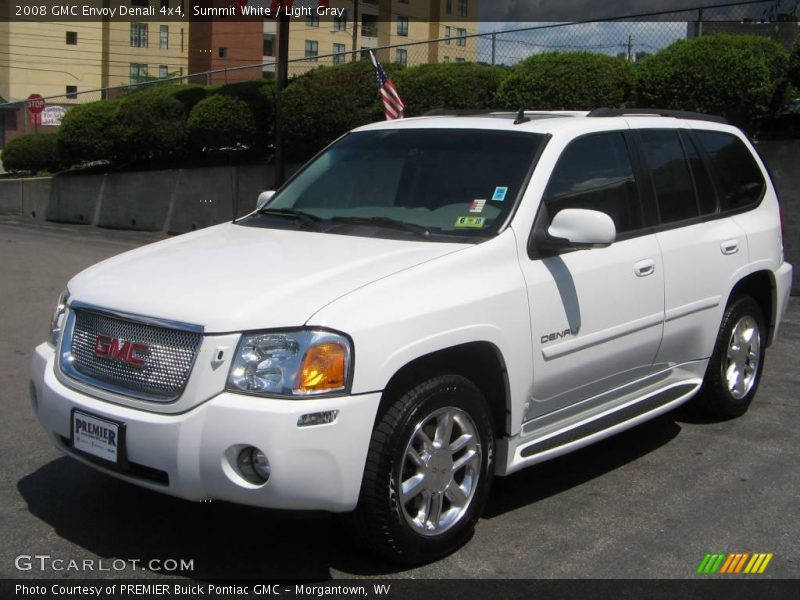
{"x":649,"y":503}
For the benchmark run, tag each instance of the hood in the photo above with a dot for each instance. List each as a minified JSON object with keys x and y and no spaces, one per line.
{"x":235,"y":278}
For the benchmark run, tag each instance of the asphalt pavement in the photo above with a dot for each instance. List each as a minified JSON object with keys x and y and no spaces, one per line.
{"x":649,"y":503}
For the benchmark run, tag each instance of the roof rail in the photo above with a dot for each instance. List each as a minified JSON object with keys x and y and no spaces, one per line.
{"x":460,"y":112}
{"x":656,"y":112}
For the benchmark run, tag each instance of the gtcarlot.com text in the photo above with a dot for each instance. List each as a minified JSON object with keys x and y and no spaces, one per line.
{"x":46,"y":563}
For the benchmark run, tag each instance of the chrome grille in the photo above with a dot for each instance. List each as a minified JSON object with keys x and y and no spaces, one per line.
{"x":167,"y":364}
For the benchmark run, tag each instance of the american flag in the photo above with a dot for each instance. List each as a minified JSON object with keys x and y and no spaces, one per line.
{"x":392,"y":104}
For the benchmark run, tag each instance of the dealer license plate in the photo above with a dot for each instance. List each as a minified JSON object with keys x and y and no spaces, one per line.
{"x":95,"y":436}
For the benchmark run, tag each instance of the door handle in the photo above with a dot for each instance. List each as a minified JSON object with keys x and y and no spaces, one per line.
{"x":729,"y":247}
{"x":643,"y":268}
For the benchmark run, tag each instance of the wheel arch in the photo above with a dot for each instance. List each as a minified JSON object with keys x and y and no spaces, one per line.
{"x":761,"y":286}
{"x":481,"y":362}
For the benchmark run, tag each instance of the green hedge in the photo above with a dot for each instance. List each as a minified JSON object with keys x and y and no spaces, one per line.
{"x":567,"y":81}
{"x":260,"y":97}
{"x":149,"y":126}
{"x":740,"y":77}
{"x":31,"y":153}
{"x":84,"y":133}
{"x":449,"y":85}
{"x":325,"y":103}
{"x":220,"y":122}
{"x":794,"y":66}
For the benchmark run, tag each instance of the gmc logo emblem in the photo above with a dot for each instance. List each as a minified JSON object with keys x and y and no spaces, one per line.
{"x":119,"y":350}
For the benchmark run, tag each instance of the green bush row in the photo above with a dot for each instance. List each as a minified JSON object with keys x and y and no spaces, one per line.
{"x":743,"y":78}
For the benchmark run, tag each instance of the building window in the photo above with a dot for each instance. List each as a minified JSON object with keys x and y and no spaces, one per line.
{"x":340,"y":23}
{"x":163,"y":71}
{"x":139,"y":35}
{"x":462,"y":8}
{"x":338,"y":54}
{"x":138,"y":72}
{"x":401,"y":56}
{"x":446,"y":58}
{"x":461,"y":60}
{"x":402,"y":25}
{"x":448,"y":33}
{"x":448,"y":7}
{"x":461,"y":40}
{"x":269,"y":44}
{"x":72,"y":92}
{"x":312,"y":20}
{"x":72,"y":38}
{"x":223,"y":52}
{"x":312,"y":50}
{"x":163,"y":37}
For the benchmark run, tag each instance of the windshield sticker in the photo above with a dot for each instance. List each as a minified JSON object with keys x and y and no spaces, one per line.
{"x":477,"y":206}
{"x":500,"y":194}
{"x":470,"y":222}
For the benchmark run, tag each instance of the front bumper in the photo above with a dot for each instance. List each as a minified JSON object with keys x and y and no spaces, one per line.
{"x":192,"y":454}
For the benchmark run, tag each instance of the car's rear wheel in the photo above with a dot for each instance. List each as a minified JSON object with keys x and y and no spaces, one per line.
{"x":734,"y":371}
{"x":428,"y":471}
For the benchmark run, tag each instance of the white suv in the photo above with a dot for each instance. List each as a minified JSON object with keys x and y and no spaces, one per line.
{"x":428,"y":303}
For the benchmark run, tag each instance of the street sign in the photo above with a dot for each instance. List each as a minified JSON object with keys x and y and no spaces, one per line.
{"x":36,"y":105}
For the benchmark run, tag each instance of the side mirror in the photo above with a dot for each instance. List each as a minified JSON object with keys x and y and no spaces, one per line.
{"x":581,"y":228}
{"x":264,"y":198}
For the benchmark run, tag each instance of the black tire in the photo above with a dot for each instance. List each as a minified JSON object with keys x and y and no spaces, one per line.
{"x":719,"y":398}
{"x":383,"y":521}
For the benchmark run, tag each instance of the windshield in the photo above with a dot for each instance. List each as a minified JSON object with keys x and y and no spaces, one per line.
{"x":438,"y":184}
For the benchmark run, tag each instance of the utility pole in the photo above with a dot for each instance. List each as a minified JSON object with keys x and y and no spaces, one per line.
{"x":494,"y":48}
{"x":355,"y":30}
{"x":630,"y":49}
{"x":282,"y":77}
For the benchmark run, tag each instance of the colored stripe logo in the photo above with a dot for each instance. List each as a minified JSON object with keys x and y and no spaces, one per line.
{"x":735,"y":563}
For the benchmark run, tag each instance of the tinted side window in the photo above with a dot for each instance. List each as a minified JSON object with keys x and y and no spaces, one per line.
{"x":672,"y":180}
{"x":738,"y":174}
{"x":706,"y":194}
{"x":595,"y":172}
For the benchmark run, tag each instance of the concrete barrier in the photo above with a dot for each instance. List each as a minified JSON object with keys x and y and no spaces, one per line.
{"x":782,"y":158}
{"x":202,"y":197}
{"x":137,"y":200}
{"x":36,"y":194}
{"x":75,"y":199}
{"x":11,"y":197}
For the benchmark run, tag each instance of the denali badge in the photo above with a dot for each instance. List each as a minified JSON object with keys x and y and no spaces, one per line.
{"x":132,"y":353}
{"x":551,"y":337}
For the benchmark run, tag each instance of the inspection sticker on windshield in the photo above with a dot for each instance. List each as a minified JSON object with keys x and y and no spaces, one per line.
{"x":500,"y":194}
{"x":470,"y":222}
{"x":477,"y":206}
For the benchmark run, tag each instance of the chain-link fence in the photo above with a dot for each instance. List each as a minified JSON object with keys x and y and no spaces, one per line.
{"x":630,"y":36}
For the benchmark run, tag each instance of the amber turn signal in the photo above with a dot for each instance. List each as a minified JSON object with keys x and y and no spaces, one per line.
{"x":324,"y":368}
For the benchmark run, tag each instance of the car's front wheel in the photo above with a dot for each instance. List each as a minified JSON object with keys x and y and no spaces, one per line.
{"x":428,"y":471}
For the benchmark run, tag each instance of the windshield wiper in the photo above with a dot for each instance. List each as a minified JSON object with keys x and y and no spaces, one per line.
{"x":307,"y":219}
{"x":417,"y":230}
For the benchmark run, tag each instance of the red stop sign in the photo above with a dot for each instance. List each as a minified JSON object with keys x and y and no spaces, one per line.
{"x":36,"y":104}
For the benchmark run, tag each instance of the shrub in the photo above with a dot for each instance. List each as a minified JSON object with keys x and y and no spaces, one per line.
{"x":31,"y":153}
{"x":220,"y":122}
{"x":325,"y":103}
{"x":189,"y":95}
{"x":149,"y":125}
{"x":794,"y":65}
{"x":567,"y":81}
{"x":449,"y":85}
{"x":84,"y":133}
{"x":259,"y":96}
{"x":740,"y":77}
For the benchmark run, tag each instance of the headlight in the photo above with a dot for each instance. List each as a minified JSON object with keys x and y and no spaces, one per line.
{"x":296,"y":363}
{"x":57,"y":321}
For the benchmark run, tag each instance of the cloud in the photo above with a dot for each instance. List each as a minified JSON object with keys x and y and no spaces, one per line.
{"x":588,"y":10}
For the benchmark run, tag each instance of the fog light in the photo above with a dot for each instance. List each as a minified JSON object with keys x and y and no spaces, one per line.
{"x":253,"y":465}
{"x":320,"y":418}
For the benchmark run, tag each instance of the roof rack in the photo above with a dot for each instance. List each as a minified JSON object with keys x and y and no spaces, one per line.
{"x":656,"y":112}
{"x":520,"y":115}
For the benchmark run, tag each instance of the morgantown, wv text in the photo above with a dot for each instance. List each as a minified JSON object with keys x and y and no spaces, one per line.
{"x":192,"y":590}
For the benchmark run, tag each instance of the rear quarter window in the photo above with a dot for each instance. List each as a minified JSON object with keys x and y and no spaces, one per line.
{"x":738,"y":177}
